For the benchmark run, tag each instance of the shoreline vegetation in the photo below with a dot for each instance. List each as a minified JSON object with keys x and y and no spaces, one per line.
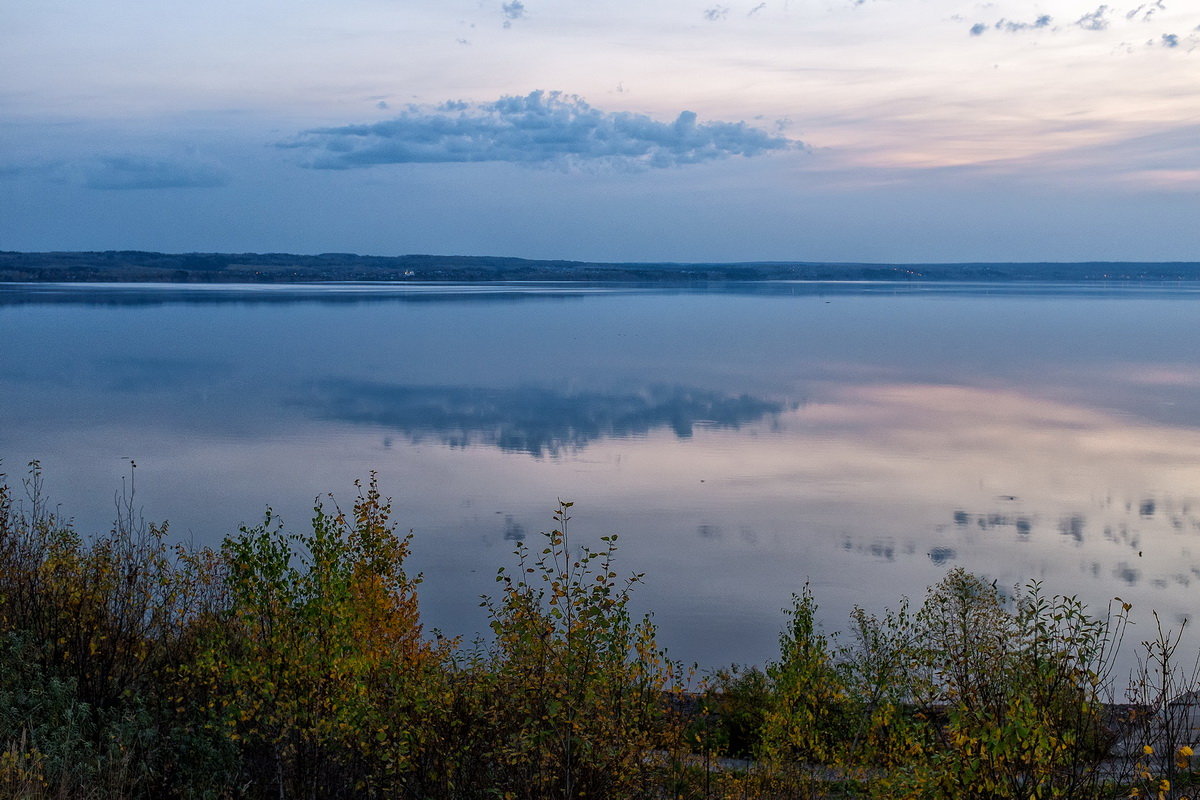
{"x":294,"y":665}
{"x":125,"y":266}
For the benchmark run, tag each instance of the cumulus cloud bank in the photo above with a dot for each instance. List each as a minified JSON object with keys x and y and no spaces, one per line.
{"x":541,"y":128}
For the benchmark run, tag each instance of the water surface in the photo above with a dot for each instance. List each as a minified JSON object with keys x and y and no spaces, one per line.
{"x":741,"y":439}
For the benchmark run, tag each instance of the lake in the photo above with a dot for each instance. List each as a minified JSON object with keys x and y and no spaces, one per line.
{"x":742,"y":439}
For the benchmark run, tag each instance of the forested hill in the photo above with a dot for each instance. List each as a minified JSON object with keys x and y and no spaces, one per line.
{"x":130,"y":265}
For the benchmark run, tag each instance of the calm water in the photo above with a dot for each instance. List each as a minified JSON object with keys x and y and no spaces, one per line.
{"x":741,"y":440}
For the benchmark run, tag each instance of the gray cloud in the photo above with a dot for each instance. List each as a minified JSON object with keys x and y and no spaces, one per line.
{"x":541,"y":128}
{"x":1146,"y":10}
{"x":58,"y":171}
{"x":756,"y":9}
{"x":716,"y":13}
{"x":1010,"y":26}
{"x":1170,"y":40}
{"x":124,"y":171}
{"x":1095,"y":21}
{"x":513,"y":10}
{"x":1013,"y":27}
{"x":139,"y":172}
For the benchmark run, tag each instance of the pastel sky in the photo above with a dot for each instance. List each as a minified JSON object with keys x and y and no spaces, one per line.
{"x":670,"y":130}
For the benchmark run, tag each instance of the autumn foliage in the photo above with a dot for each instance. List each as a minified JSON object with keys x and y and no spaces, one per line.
{"x":295,"y":665}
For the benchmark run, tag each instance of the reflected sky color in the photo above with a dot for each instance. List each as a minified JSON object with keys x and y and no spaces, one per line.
{"x":740,"y":444}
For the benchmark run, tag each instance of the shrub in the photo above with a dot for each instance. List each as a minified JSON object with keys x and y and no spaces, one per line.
{"x":576,"y":688}
{"x":315,"y":667}
{"x":1010,"y":695}
{"x":91,"y":633}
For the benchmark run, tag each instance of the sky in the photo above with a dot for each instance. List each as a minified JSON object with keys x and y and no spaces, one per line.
{"x":624,"y":130}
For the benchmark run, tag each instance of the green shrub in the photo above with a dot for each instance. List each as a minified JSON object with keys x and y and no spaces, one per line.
{"x":1009,"y":693}
{"x":576,"y":688}
{"x":314,"y":667}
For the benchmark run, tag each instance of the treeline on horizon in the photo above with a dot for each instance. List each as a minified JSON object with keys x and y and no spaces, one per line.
{"x":295,"y":665}
{"x":139,"y":266}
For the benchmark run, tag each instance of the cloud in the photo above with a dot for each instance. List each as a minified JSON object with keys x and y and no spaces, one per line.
{"x":541,"y":128}
{"x":1013,"y":27}
{"x":1009,"y":26}
{"x":1095,"y":21}
{"x":1146,"y":10}
{"x":512,"y":11}
{"x":716,"y":13}
{"x":123,"y":171}
{"x":756,"y":9}
{"x":1170,"y":40}
{"x":140,"y":172}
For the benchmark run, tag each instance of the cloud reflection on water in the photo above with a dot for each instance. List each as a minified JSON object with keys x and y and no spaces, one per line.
{"x":532,"y":419}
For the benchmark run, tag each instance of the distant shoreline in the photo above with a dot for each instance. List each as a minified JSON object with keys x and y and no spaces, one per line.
{"x":128,"y":266}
